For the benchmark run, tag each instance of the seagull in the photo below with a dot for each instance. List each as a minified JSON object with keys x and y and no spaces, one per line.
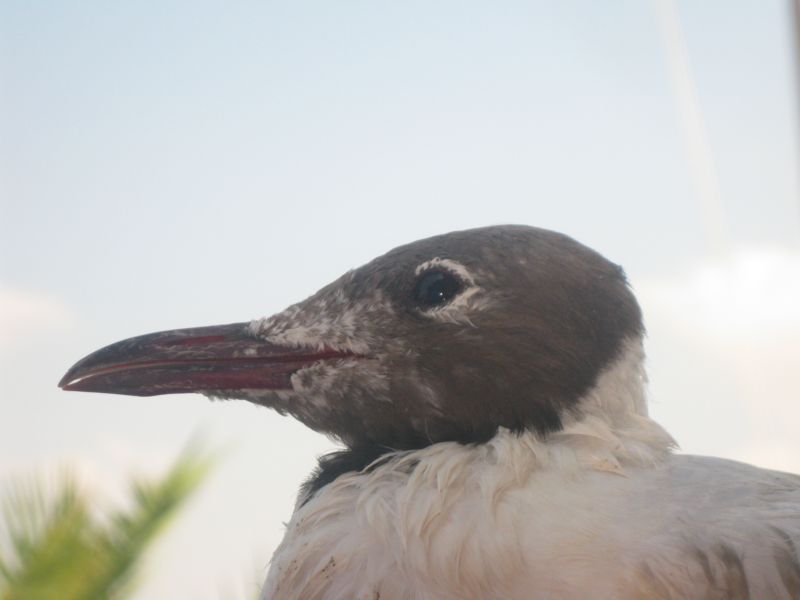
{"x":488,"y":389}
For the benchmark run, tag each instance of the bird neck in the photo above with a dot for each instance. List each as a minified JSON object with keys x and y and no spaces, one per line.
{"x":609,"y":431}
{"x":611,"y":428}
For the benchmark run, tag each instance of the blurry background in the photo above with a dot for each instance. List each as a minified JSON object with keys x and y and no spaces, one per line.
{"x":168,"y":164}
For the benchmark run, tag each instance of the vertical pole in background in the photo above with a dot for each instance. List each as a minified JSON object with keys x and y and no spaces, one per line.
{"x":794,"y":9}
{"x":695,"y":133}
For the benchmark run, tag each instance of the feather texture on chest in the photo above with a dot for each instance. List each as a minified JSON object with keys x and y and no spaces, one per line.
{"x":473,"y":521}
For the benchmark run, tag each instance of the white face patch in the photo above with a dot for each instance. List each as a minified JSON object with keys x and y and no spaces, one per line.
{"x":470,"y":299}
{"x":324,"y":382}
{"x":331,"y":322}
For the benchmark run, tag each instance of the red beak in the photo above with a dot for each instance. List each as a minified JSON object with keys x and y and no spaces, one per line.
{"x":200,"y":359}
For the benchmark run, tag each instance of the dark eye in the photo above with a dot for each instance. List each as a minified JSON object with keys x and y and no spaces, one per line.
{"x":436,"y":288}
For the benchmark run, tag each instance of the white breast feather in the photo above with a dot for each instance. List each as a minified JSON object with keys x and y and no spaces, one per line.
{"x":602,"y":509}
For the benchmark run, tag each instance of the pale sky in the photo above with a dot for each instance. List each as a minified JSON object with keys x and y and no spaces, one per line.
{"x":169,"y":164}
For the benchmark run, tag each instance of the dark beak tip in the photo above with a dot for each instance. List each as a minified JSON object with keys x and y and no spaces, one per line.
{"x":72,"y":377}
{"x":64,"y":382}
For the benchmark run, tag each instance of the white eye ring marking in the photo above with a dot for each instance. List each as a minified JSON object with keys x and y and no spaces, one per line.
{"x":449,"y":265}
{"x":470,"y":298}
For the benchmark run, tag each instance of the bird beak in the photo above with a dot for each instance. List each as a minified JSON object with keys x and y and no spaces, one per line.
{"x":200,"y":359}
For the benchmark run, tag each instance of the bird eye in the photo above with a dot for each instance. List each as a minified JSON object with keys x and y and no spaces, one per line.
{"x":436,"y":288}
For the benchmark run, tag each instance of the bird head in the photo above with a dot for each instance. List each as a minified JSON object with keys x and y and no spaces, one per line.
{"x":444,"y":339}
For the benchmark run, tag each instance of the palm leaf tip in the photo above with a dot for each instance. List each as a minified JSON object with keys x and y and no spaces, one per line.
{"x":54,"y":546}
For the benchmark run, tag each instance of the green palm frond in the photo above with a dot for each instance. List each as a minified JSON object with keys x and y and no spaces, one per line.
{"x":54,"y":546}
